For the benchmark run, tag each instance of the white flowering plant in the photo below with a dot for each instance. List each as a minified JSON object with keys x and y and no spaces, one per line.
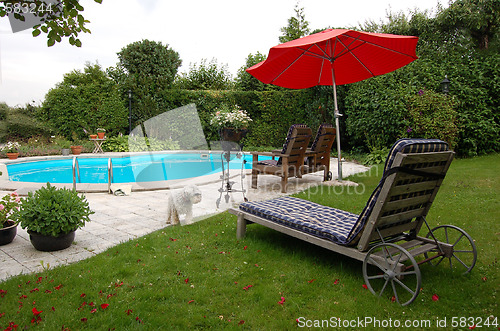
{"x":11,"y":147}
{"x":230,"y":117}
{"x":9,"y":205}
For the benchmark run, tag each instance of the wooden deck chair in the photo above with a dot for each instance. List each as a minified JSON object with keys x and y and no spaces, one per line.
{"x":386,"y":233}
{"x":318,"y":156}
{"x":290,"y":160}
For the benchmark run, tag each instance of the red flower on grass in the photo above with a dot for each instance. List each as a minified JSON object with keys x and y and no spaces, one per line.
{"x":37,"y":318}
{"x":310,"y":281}
{"x":247,"y":287}
{"x":435,"y":297}
{"x":12,"y":326}
{"x":2,"y":293}
{"x":365,"y":286}
{"x":336,"y":281}
{"x":58,"y":287}
{"x":128,"y":311}
{"x":282,"y":301}
{"x":104,"y":305}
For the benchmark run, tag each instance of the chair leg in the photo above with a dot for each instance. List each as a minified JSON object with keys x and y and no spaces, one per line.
{"x":284,"y":183}
{"x":241,"y":226}
{"x":255,"y":174}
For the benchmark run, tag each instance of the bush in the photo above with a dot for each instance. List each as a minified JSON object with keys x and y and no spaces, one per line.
{"x":138,"y":144}
{"x":85,"y":100}
{"x":21,"y":124}
{"x":432,"y":115}
{"x":52,"y":211}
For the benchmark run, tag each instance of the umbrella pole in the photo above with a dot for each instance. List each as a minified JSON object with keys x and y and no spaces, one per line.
{"x":337,"y":115}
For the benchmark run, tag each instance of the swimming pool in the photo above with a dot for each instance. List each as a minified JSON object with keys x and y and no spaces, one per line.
{"x":127,"y":169}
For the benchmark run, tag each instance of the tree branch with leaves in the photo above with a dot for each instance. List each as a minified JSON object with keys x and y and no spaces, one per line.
{"x":58,"y":19}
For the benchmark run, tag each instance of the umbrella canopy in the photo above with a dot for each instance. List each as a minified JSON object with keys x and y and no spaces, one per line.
{"x":334,"y":57}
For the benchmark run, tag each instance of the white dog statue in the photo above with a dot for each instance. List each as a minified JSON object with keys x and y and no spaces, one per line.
{"x":181,"y":202}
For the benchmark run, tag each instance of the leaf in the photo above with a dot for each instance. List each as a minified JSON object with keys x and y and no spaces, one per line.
{"x":51,"y":42}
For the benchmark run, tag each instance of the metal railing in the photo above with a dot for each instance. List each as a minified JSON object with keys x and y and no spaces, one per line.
{"x":110,"y":174}
{"x":76,"y":170}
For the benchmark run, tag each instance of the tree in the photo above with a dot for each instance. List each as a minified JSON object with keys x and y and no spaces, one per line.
{"x":377,"y":107}
{"x":245,"y":81}
{"x":85,"y":100}
{"x":146,"y":68}
{"x":205,"y":76}
{"x":297,"y":26}
{"x":150,"y":64}
{"x":57,"y":18}
{"x":479,"y":18}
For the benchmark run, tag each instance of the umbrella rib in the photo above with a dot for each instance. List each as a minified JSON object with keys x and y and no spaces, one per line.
{"x":357,"y":59}
{"x":296,"y":59}
{"x":379,"y":46}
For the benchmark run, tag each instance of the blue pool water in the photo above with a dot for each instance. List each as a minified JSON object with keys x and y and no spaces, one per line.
{"x":137,"y":168}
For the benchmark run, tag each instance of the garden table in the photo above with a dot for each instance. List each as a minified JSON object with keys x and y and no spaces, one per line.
{"x":98,"y":145}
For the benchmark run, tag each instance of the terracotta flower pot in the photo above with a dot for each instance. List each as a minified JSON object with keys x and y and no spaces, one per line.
{"x":100,"y":135}
{"x":50,"y":243}
{"x":76,"y":150}
{"x":12,"y":156}
{"x":8,"y":233}
{"x":93,"y":136}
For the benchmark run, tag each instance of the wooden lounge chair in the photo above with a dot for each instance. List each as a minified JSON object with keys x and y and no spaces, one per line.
{"x":318,"y":156}
{"x":290,"y":160}
{"x":385,"y":236}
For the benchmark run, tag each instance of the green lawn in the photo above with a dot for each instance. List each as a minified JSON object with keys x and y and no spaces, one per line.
{"x":200,"y":276}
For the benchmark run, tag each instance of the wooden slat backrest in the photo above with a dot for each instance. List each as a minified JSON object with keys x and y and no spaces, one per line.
{"x":323,"y":145}
{"x":297,"y":145}
{"x":406,"y":196}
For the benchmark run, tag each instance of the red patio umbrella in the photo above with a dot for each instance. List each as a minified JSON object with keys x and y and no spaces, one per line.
{"x":334,"y":57}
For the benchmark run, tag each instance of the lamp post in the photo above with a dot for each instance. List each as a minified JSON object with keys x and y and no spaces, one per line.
{"x":129,"y":111}
{"x":445,"y":85}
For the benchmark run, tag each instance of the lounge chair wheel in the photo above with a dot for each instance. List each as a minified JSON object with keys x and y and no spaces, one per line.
{"x":464,"y":254}
{"x":390,"y":271}
{"x":329,"y":176}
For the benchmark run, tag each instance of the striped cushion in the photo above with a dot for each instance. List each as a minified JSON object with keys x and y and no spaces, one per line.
{"x":315,"y":219}
{"x":326,"y":222}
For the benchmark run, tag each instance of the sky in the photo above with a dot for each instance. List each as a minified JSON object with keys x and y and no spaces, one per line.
{"x":224,"y":30}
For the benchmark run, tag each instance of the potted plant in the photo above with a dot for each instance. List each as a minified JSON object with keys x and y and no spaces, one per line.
{"x":11,"y":149}
{"x":65,"y":147}
{"x":52,"y":215}
{"x":100,"y":133}
{"x":231,"y":121}
{"x":9,"y":205}
{"x":76,"y":149}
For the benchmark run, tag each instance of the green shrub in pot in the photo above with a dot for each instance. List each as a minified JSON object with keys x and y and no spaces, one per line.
{"x":53,"y":212}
